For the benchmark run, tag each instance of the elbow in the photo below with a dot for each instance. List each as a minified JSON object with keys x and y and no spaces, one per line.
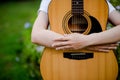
{"x":34,"y":38}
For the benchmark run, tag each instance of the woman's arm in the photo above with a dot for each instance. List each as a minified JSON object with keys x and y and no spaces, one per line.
{"x":78,"y":41}
{"x":40,"y":35}
{"x":111,"y":35}
{"x":114,"y":17}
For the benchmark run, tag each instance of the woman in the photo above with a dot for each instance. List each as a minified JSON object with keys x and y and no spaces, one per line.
{"x":42,"y":36}
{"x":102,"y":41}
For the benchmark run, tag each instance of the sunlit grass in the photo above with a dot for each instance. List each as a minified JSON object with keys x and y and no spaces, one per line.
{"x":13,"y":16}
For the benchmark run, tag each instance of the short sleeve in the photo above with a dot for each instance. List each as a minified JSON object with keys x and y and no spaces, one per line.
{"x":111,"y":8}
{"x":44,"y":6}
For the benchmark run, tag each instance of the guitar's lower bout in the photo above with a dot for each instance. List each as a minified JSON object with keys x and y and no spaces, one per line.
{"x":69,"y":65}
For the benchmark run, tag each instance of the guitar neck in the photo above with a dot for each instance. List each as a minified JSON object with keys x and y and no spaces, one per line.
{"x":77,"y":7}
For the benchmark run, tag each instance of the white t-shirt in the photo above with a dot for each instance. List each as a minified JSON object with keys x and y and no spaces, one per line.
{"x":45,"y":3}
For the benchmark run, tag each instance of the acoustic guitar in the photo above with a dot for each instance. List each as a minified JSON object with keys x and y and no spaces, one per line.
{"x":84,"y":17}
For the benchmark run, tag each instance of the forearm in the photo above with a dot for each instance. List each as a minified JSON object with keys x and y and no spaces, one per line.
{"x":44,"y":37}
{"x":108,"y":36}
{"x":40,"y":35}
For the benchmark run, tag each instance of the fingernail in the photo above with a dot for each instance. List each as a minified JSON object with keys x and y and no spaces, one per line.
{"x":57,"y":48}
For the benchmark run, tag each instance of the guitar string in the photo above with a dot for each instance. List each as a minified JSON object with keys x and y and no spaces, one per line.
{"x":77,"y":15}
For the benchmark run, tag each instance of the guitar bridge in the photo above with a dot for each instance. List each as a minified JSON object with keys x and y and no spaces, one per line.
{"x":77,"y":55}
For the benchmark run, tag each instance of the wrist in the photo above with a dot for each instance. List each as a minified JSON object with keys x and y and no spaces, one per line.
{"x":92,"y":39}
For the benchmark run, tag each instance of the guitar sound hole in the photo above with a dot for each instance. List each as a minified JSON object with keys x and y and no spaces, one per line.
{"x":77,"y":24}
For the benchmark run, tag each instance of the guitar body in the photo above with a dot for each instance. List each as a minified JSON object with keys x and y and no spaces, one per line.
{"x":80,"y":64}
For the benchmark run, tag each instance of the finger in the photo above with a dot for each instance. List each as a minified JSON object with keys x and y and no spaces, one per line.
{"x":59,"y":44}
{"x":62,"y":39}
{"x":110,"y":45}
{"x":112,"y":48}
{"x":107,"y":47}
{"x":116,"y":44}
{"x":98,"y":49}
{"x":103,"y":50}
{"x":64,"y":48}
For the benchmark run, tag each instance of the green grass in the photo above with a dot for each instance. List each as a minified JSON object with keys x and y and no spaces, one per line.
{"x":13,"y":16}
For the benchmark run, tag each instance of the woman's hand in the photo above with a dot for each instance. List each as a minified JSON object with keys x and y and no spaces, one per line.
{"x":72,"y":41}
{"x":76,"y":41}
{"x":103,"y":47}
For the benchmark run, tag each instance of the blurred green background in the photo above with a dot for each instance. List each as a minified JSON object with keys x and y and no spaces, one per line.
{"x":19,"y":58}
